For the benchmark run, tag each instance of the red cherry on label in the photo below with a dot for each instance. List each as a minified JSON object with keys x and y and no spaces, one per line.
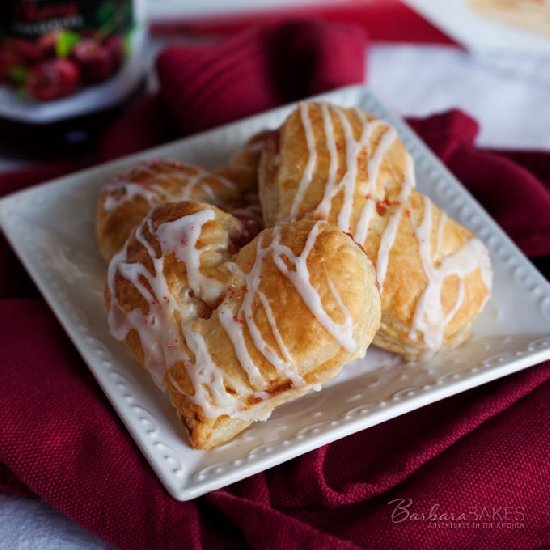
{"x":52,"y":79}
{"x":88,"y":33}
{"x":250,"y":229}
{"x":94,"y":60}
{"x":47,"y":44}
{"x":115,"y":45}
{"x":8,"y":60}
{"x":28,"y":51}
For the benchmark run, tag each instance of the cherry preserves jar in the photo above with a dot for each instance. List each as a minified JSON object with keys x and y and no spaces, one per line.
{"x":64,"y":60}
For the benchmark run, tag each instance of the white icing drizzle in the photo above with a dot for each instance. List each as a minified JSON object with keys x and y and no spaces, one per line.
{"x":311,"y":160}
{"x":374,"y":165}
{"x":442,"y":221}
{"x":157,"y":337}
{"x":159,"y":330}
{"x":190,"y":175}
{"x":232,"y":326}
{"x":281,"y":358}
{"x":208,"y":379}
{"x":126,"y":191}
{"x":388,"y":236}
{"x":186,"y":231}
{"x":361,"y":231}
{"x":284,"y":364}
{"x":120,"y":192}
{"x":274,"y":329}
{"x":343,"y":333}
{"x":376,"y":157}
{"x":324,"y":206}
{"x":429,"y":318}
{"x":198,"y":180}
{"x":253,"y":147}
{"x":348,"y":184}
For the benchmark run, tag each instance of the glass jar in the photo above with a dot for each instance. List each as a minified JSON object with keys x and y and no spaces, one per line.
{"x":65,"y":67}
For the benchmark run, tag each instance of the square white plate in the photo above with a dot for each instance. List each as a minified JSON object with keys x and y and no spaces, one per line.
{"x":52,"y":229}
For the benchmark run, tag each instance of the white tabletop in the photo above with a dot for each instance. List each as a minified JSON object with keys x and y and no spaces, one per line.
{"x":513,"y":112}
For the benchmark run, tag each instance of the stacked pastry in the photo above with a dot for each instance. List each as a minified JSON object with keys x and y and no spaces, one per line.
{"x":233,"y":321}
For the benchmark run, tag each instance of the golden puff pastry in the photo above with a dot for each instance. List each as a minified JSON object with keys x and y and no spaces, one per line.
{"x":349,"y":168}
{"x":242,"y":167}
{"x":233,"y":333}
{"x":533,"y":15}
{"x":124,"y":202}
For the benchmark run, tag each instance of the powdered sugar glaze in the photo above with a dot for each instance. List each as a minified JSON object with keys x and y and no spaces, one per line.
{"x":191,"y":180}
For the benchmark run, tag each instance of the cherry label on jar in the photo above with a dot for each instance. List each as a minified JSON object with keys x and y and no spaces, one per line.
{"x":54,"y":50}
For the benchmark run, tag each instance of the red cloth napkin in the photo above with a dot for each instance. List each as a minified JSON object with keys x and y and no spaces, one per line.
{"x":484,"y":453}
{"x":258,"y":70}
{"x":204,"y":86}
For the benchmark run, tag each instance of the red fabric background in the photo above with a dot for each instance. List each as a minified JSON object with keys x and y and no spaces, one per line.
{"x":479,"y":452}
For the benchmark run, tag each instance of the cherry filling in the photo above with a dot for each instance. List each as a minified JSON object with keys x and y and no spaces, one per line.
{"x":115,"y":44}
{"x":53,"y":79}
{"x":272,"y":141}
{"x":358,"y":244}
{"x":250,"y":228}
{"x":96,"y":61}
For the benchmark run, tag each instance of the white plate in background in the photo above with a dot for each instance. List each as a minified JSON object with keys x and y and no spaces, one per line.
{"x":51,"y":227}
{"x":160,"y":10}
{"x":478,"y":32}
